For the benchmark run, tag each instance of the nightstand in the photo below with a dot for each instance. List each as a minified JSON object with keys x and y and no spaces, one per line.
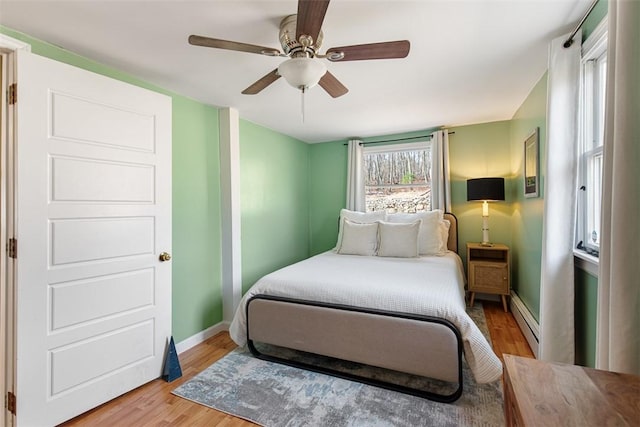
{"x":488,"y":270}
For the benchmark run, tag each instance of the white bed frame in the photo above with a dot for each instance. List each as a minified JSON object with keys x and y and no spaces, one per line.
{"x":415,"y":344}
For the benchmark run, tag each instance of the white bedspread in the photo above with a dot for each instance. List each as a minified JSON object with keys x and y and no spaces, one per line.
{"x":430,"y":285}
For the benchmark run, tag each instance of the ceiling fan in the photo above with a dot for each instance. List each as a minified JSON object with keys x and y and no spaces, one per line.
{"x":301,"y":38}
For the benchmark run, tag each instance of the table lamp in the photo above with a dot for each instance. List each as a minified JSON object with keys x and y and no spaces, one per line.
{"x":485,"y":190}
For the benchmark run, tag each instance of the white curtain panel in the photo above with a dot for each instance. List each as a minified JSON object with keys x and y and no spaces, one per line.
{"x":440,"y":180}
{"x":618,"y":319}
{"x":355,"y":177}
{"x":557,"y":336}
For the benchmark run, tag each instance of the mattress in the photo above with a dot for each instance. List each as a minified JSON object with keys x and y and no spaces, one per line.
{"x":429,"y":285}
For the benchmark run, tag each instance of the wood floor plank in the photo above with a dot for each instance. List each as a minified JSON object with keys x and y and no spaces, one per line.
{"x":506,"y":336}
{"x":153,"y":405}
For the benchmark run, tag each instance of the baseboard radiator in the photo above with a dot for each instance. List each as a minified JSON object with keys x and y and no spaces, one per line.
{"x":527,"y":323}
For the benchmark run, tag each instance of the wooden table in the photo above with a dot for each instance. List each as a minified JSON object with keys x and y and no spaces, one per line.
{"x":538,"y":393}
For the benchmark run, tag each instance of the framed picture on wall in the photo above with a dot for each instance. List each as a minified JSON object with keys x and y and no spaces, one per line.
{"x":531,"y":167}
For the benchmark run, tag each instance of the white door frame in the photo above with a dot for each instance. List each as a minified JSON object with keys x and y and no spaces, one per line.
{"x":8,"y":46}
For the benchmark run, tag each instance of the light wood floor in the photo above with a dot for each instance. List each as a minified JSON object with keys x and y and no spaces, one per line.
{"x":154,"y":405}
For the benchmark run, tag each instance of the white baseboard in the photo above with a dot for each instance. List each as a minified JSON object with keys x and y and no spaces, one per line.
{"x":527,"y":323}
{"x":201,"y":336}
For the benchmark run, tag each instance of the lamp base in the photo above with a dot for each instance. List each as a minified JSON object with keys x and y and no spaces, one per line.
{"x":486,"y":244}
{"x":485,"y":231}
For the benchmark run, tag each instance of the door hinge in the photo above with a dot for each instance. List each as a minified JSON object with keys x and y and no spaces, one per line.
{"x":12,"y":248}
{"x":13,"y":93}
{"x":11,"y":402}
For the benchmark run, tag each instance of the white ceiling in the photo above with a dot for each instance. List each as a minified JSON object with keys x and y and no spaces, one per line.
{"x":471,"y":61}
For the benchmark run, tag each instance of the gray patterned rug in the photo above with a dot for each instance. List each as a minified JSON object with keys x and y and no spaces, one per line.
{"x":271,"y":394}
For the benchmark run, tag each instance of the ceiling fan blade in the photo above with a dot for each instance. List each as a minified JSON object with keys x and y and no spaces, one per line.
{"x":262,"y":83}
{"x":384,"y":50}
{"x":332,"y":85}
{"x":229,"y":45}
{"x":310,"y":16}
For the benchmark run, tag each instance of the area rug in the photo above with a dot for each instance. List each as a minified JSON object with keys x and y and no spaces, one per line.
{"x":272,"y":394}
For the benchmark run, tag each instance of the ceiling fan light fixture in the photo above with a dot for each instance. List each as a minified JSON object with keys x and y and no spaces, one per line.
{"x":302,"y":73}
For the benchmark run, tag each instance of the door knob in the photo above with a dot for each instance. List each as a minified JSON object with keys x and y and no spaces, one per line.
{"x":165,"y":257}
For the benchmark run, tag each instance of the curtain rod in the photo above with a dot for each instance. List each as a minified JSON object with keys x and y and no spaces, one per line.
{"x":397,"y":139}
{"x":569,"y":41}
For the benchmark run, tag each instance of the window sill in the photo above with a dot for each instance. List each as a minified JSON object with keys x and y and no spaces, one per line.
{"x":586,"y":262}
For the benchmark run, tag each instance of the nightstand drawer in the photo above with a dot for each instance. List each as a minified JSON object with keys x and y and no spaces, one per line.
{"x":489,"y":277}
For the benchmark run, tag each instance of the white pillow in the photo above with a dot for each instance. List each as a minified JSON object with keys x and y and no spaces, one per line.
{"x":360,"y":217}
{"x":358,"y":239}
{"x":398,"y":239}
{"x":445,"y":225}
{"x":430,"y":237}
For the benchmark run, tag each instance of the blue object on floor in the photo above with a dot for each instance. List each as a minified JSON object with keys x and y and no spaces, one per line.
{"x":171,"y":370}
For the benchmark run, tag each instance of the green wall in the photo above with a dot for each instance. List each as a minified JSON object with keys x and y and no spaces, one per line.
{"x":197,"y":282}
{"x":196,"y":258}
{"x":594,"y":18}
{"x":274,"y":189}
{"x":526,"y":217}
{"x":327,"y":193}
{"x":479,"y":151}
{"x":586,"y":299}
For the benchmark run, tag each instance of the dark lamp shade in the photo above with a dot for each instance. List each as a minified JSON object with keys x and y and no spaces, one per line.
{"x":485,"y":189}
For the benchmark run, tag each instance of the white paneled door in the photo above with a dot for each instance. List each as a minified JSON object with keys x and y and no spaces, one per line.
{"x":93,"y":209}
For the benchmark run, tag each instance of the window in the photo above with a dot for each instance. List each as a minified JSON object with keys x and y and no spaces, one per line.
{"x":397,"y":178}
{"x":593,"y":86}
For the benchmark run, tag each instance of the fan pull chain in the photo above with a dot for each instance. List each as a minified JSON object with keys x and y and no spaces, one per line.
{"x":302,"y":104}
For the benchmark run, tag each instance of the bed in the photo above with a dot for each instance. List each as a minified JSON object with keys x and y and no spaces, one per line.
{"x":351,"y":307}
